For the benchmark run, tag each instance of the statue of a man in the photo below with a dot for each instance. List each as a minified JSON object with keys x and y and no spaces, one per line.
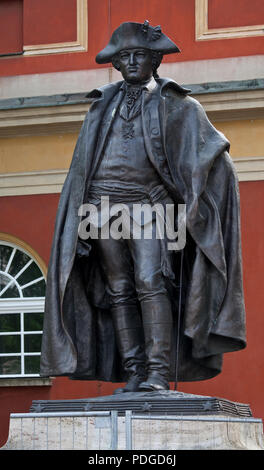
{"x":128,"y":308}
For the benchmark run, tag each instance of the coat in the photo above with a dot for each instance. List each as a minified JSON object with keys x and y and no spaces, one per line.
{"x":78,"y":336}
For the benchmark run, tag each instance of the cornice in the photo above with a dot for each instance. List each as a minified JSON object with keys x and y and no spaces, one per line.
{"x":45,"y":115}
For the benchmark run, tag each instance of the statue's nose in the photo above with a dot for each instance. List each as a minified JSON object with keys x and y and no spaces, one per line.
{"x":132,"y":59}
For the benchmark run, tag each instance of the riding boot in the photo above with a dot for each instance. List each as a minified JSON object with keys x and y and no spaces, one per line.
{"x":157,"y":324}
{"x":130,"y":342}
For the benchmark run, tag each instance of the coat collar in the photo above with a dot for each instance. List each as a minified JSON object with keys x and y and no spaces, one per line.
{"x":112,"y":88}
{"x":150,"y":86}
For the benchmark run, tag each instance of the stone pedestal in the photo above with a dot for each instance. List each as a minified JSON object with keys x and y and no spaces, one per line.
{"x":138,"y":421}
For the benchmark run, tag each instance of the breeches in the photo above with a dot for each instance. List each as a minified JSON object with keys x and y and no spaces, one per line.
{"x":132,"y":270}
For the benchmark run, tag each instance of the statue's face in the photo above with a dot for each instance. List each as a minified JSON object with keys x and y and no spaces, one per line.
{"x":135,"y":65}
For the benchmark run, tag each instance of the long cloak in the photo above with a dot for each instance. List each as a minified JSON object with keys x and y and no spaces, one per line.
{"x":78,"y":336}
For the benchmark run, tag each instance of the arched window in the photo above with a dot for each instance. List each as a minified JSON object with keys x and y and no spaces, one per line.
{"x":22,"y":293}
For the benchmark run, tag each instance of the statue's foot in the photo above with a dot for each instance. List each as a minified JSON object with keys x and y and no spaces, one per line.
{"x":154,"y":383}
{"x":131,"y":386}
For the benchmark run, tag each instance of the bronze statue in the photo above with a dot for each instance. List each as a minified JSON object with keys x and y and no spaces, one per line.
{"x":129,"y":309}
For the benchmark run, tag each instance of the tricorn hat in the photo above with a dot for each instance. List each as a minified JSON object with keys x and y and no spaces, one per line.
{"x":136,"y":35}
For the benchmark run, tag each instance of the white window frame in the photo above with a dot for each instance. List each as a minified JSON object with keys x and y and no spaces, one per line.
{"x":20,"y":305}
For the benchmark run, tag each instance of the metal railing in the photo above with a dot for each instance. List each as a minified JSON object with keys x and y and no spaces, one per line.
{"x":109,"y":419}
{"x":130,"y":416}
{"x":112,"y":415}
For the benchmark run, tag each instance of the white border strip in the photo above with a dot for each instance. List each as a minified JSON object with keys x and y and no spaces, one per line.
{"x":51,"y":181}
{"x":204,"y":33}
{"x":81,"y":81}
{"x":26,"y":304}
{"x":81,"y":43}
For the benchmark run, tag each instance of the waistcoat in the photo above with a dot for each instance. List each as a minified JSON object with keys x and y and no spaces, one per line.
{"x":124,"y":158}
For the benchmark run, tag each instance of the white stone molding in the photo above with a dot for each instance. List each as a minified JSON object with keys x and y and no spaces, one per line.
{"x":51,"y":181}
{"x":34,"y":182}
{"x":204,"y":33}
{"x":42,"y":120}
{"x":46,"y":120}
{"x":79,"y":81}
{"x":80,"y":45}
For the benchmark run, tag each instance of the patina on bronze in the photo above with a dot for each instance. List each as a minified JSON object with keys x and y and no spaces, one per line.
{"x":112,"y":306}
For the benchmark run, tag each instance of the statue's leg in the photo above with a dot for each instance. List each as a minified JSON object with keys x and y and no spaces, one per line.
{"x":130,"y":342}
{"x":157,"y":322}
{"x":156,"y":312}
{"x":117,"y":266}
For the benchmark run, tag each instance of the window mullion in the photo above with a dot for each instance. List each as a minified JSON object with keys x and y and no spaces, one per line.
{"x":10,"y":354}
{"x":8,"y":333}
{"x":32,"y":282}
{"x":22,"y":343}
{"x":7,"y":287}
{"x":32,"y":354}
{"x":23,"y":269}
{"x":33,"y":332}
{"x":10,"y":260}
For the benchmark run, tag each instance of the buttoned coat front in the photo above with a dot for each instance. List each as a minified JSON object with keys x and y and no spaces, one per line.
{"x":78,"y":336}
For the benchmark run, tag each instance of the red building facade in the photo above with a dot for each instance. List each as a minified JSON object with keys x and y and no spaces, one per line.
{"x":46,"y":65}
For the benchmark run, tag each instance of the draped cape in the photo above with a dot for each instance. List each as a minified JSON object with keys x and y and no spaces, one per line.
{"x":78,"y":336}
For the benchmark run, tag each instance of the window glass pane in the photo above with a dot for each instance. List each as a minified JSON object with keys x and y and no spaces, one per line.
{"x":10,"y":365}
{"x":5,"y":253}
{"x":31,"y":273}
{"x":10,"y":344}
{"x":36,"y":290}
{"x":18,"y":262}
{"x":32,"y":343}
{"x":11,"y":292}
{"x":33,"y":321}
{"x":9,"y":322}
{"x":4,"y":280}
{"x":32,"y":364}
